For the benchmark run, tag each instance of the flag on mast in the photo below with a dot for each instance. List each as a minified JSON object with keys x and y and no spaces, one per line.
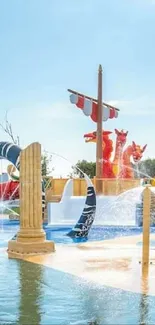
{"x":89,"y":108}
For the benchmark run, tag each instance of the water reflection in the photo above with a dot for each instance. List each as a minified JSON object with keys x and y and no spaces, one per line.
{"x":30,"y":293}
{"x":144,"y":310}
{"x":144,"y":304}
{"x":50,"y":297}
{"x":89,"y":295}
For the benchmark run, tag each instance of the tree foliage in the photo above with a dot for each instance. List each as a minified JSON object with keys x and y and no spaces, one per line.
{"x":46,"y":159}
{"x":86,"y":167}
{"x":147,"y":168}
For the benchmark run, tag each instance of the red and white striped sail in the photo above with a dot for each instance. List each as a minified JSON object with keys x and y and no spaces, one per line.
{"x":89,"y":108}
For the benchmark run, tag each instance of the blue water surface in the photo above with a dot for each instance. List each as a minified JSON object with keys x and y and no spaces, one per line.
{"x":59,"y":233}
{"x":35,"y":294}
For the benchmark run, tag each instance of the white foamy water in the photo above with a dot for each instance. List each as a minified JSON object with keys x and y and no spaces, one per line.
{"x":119,"y":210}
{"x":110,"y":210}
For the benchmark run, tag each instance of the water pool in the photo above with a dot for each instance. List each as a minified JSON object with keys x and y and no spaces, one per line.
{"x":39,"y":295}
{"x":58,"y":233}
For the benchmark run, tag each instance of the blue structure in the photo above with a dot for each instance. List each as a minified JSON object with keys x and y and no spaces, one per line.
{"x":11,"y":152}
{"x":4,"y":177}
{"x":82,"y":227}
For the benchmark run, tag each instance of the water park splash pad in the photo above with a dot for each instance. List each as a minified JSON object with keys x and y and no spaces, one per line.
{"x":107,"y":206}
{"x":110,"y":210}
{"x":80,"y":278}
{"x":103,"y":210}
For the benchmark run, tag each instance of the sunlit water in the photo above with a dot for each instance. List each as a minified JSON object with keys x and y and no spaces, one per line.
{"x":58,"y":233}
{"x":38,"y":295}
{"x":34,"y":294}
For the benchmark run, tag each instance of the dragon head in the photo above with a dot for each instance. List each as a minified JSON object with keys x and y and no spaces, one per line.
{"x":107,"y":144}
{"x":137,"y":152}
{"x":92,"y":137}
{"x":121,"y":136}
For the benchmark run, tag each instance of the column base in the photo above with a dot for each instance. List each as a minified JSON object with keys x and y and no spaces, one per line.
{"x":31,"y":235}
{"x":20,"y":250}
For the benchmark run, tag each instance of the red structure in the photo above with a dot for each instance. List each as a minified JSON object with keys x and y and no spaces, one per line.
{"x":120,"y":166}
{"x":107,"y":150}
{"x":9,"y":190}
{"x":136,"y":152}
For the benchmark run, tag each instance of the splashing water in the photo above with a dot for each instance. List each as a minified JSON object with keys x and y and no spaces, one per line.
{"x":119,"y":210}
{"x":111,"y":210}
{"x":130,"y":168}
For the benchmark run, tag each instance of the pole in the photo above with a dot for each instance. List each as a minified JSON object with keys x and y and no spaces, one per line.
{"x":91,"y":98}
{"x":99,"y":161}
{"x":146,"y":230}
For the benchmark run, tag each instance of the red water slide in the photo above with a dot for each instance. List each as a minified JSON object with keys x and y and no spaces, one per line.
{"x":9,"y":190}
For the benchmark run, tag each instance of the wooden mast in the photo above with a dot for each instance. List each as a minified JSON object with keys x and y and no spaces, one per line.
{"x":99,"y":157}
{"x":100,"y":107}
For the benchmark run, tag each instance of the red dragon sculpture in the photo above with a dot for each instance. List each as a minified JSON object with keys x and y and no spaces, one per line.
{"x":107,"y":149}
{"x":121,"y":165}
{"x":136,"y":152}
{"x":121,"y":137}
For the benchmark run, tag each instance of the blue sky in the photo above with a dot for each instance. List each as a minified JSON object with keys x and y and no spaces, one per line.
{"x":47,"y":46}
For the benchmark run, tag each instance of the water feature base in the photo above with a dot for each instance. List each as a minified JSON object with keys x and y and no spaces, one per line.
{"x":21,"y":250}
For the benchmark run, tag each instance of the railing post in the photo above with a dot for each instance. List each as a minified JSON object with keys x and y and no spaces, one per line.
{"x":146,"y":229}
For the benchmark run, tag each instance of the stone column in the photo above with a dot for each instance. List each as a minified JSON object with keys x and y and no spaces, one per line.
{"x":31,"y":236}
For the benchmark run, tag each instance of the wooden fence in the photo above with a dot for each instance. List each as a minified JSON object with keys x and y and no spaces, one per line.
{"x":109,"y":187}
